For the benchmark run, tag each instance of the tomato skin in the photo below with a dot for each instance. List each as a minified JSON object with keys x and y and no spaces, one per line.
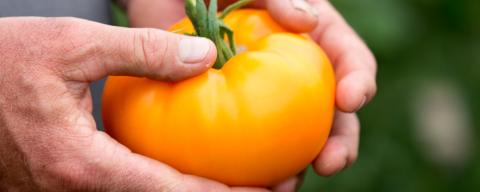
{"x":259,"y":120}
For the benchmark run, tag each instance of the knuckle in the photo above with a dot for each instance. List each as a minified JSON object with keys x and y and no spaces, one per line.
{"x":150,"y":52}
{"x":72,"y":35}
{"x":74,"y":44}
{"x":52,"y":42}
{"x":58,"y":28}
{"x":63,"y":38}
{"x":69,"y":34}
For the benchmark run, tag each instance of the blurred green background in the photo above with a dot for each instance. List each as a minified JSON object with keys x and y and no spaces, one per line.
{"x":419,"y":134}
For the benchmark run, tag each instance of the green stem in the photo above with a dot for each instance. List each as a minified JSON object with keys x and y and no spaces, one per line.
{"x":208,"y":24}
{"x":232,"y":7}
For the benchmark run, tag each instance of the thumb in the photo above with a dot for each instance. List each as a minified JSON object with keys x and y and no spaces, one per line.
{"x":151,"y":53}
{"x":296,"y":15}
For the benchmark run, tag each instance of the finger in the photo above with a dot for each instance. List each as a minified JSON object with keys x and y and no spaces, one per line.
{"x":341,"y":149}
{"x":149,"y":53}
{"x":247,"y":189}
{"x":296,"y":15}
{"x":354,"y":64}
{"x":161,"y":14}
{"x":287,"y":186}
{"x":291,"y":184}
{"x":222,"y":4}
{"x":122,"y":170}
{"x":355,"y":90}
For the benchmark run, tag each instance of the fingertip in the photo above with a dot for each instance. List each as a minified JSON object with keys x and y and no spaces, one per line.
{"x":350,"y":95}
{"x":332,"y":159}
{"x":354,"y":91}
{"x":196,"y":50}
{"x":195,"y":55}
{"x":288,"y":186}
{"x":212,"y":55}
{"x":295,"y":15}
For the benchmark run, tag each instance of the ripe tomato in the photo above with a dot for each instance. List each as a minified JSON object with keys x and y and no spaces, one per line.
{"x":260,"y":119}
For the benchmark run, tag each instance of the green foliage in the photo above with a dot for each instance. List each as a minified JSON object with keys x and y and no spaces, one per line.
{"x":118,"y":16}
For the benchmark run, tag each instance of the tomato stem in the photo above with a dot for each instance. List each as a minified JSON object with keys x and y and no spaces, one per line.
{"x":208,"y":24}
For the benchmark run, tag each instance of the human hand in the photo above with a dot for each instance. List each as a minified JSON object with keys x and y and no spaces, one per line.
{"x":354,"y":64}
{"x":48,"y":139}
{"x":355,"y":69}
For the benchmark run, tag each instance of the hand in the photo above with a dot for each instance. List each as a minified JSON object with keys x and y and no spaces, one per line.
{"x":48,"y":139}
{"x":354,"y":64}
{"x":355,"y":69}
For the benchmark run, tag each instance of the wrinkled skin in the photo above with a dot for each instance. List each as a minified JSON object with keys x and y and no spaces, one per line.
{"x":49,"y":141}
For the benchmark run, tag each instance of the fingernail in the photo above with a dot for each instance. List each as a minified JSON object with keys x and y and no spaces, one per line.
{"x":305,"y":6}
{"x":361,"y":104}
{"x":193,"y":50}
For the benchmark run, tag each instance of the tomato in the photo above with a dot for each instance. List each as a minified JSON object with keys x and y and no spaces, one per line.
{"x":260,"y":119}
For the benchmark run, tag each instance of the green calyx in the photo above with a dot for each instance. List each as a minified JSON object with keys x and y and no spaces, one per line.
{"x":207,"y":24}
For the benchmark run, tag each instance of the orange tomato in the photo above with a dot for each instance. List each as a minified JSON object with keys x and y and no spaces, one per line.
{"x":260,"y":119}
